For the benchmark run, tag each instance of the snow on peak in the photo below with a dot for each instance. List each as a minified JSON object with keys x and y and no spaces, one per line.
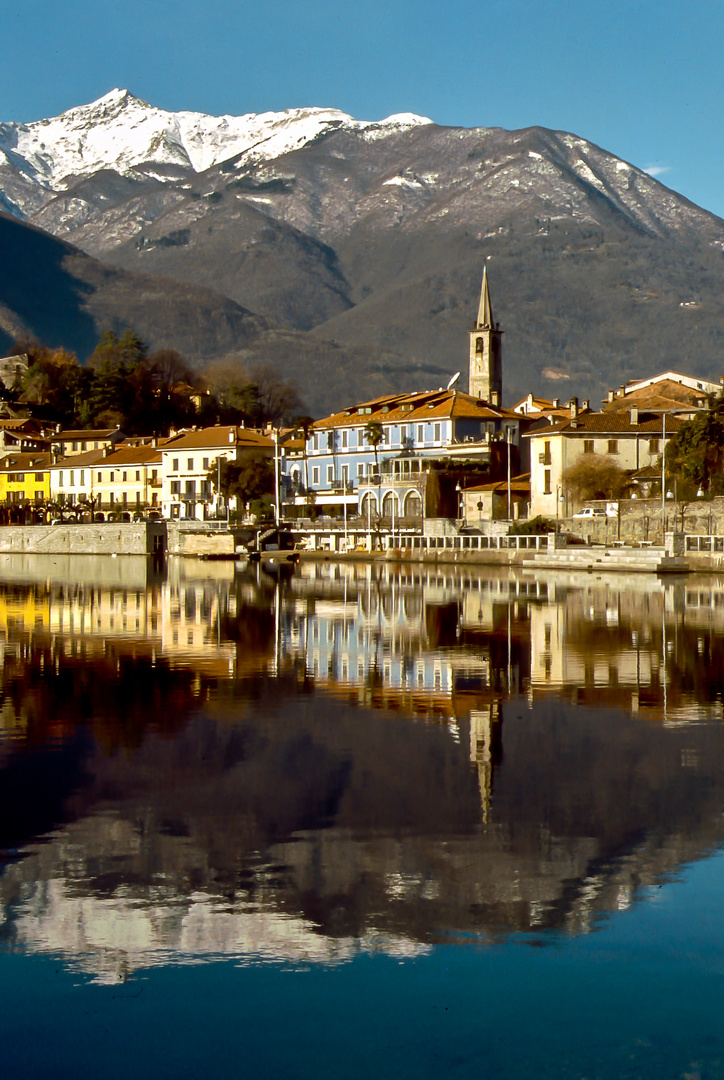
{"x":119,"y":131}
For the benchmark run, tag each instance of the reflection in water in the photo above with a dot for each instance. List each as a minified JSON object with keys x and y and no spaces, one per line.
{"x":208,"y":761}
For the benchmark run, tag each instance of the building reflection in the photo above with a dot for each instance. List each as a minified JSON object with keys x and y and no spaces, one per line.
{"x":356,"y":757}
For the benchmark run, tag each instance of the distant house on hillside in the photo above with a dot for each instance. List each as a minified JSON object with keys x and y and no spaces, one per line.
{"x":668,"y":392}
{"x":12,"y":371}
{"x":21,"y":434}
{"x":81,"y":441}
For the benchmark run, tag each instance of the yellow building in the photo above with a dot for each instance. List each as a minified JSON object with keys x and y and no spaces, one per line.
{"x":122,"y":480}
{"x":24,"y":481}
{"x":128,"y":479}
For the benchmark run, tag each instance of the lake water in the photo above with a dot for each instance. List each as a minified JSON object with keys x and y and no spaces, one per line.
{"x":361,"y":821}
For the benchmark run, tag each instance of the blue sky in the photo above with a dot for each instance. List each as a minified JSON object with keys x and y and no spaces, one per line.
{"x":643,"y":79}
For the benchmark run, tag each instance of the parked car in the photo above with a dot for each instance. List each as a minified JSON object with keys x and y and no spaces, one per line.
{"x":590,"y":512}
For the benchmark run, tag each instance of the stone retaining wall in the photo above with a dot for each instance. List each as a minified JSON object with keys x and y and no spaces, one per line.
{"x":640,"y":519}
{"x":185,"y":541}
{"x":111,"y":538}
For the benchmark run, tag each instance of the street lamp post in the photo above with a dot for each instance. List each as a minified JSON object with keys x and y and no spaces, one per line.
{"x":664,"y":493}
{"x":276,"y":477}
{"x":508,"y":432}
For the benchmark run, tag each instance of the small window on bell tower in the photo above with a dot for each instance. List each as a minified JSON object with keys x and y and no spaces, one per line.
{"x":479,"y":345}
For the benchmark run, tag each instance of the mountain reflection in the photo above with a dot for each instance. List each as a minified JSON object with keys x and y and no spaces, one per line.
{"x":205,"y":760}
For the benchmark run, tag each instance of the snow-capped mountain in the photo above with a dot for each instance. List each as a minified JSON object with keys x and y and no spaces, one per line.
{"x":366,"y":240}
{"x":123,"y":133}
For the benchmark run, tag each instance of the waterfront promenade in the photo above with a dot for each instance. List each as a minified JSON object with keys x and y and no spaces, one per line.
{"x":679,"y":553}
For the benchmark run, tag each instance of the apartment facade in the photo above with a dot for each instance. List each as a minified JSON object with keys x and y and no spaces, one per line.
{"x":187,"y":459}
{"x":340,"y":468}
{"x":24,"y":480}
{"x":633,"y":439}
{"x":122,"y":480}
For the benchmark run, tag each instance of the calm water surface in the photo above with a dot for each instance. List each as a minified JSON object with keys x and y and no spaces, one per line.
{"x":359,"y":821}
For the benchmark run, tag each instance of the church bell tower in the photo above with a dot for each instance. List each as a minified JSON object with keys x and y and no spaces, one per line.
{"x":486,"y":369}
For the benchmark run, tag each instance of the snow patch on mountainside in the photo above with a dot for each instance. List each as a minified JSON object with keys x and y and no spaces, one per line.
{"x":121,"y":132}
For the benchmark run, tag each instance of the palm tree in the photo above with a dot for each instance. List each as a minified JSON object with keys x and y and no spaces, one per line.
{"x":305,"y":425}
{"x":374,"y":434}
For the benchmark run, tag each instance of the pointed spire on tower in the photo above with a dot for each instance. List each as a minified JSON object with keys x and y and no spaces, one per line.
{"x":485,"y":309}
{"x":485,"y":379}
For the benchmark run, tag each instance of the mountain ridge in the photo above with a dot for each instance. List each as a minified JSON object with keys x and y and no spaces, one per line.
{"x":362,"y":243}
{"x":122,"y":132}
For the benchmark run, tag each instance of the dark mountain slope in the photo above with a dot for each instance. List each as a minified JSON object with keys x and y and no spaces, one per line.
{"x":223,"y":241}
{"x":61,"y":296}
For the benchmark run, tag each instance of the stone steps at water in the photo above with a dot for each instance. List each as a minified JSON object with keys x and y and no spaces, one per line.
{"x":652,"y":560}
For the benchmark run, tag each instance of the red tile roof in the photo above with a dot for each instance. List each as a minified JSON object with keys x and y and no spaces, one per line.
{"x":213,"y":438}
{"x":614,"y":423}
{"x":28,"y":461}
{"x":84,"y":434}
{"x":414,"y":408}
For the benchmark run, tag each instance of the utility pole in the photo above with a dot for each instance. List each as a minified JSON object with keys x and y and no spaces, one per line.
{"x":276,"y":477}
{"x":509,"y":432}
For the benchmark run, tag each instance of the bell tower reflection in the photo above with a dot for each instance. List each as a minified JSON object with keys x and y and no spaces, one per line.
{"x":486,"y":749}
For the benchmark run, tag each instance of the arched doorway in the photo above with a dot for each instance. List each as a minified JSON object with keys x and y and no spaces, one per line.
{"x":369,"y":505}
{"x":413,"y":504}
{"x":390,"y":505}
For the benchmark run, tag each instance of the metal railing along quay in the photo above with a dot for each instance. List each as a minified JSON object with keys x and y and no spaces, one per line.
{"x":471,"y":543}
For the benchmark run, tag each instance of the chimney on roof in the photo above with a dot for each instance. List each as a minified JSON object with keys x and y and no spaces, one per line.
{"x":573,"y":406}
{"x":232,"y":436}
{"x":107,"y":449}
{"x":634,"y":415}
{"x":621,"y":390}
{"x":495,"y":398}
{"x":556,"y":403}
{"x":530,"y":401}
{"x":611,"y":395}
{"x":585,"y":405}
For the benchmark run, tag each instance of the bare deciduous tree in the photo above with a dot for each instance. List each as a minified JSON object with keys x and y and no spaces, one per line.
{"x":594,"y":476}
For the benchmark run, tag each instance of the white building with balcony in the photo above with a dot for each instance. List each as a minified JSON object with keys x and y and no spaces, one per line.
{"x":341,"y":467}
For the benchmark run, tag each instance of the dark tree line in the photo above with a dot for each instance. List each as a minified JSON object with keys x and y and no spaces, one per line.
{"x":695,"y":455}
{"x":123,"y":384}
